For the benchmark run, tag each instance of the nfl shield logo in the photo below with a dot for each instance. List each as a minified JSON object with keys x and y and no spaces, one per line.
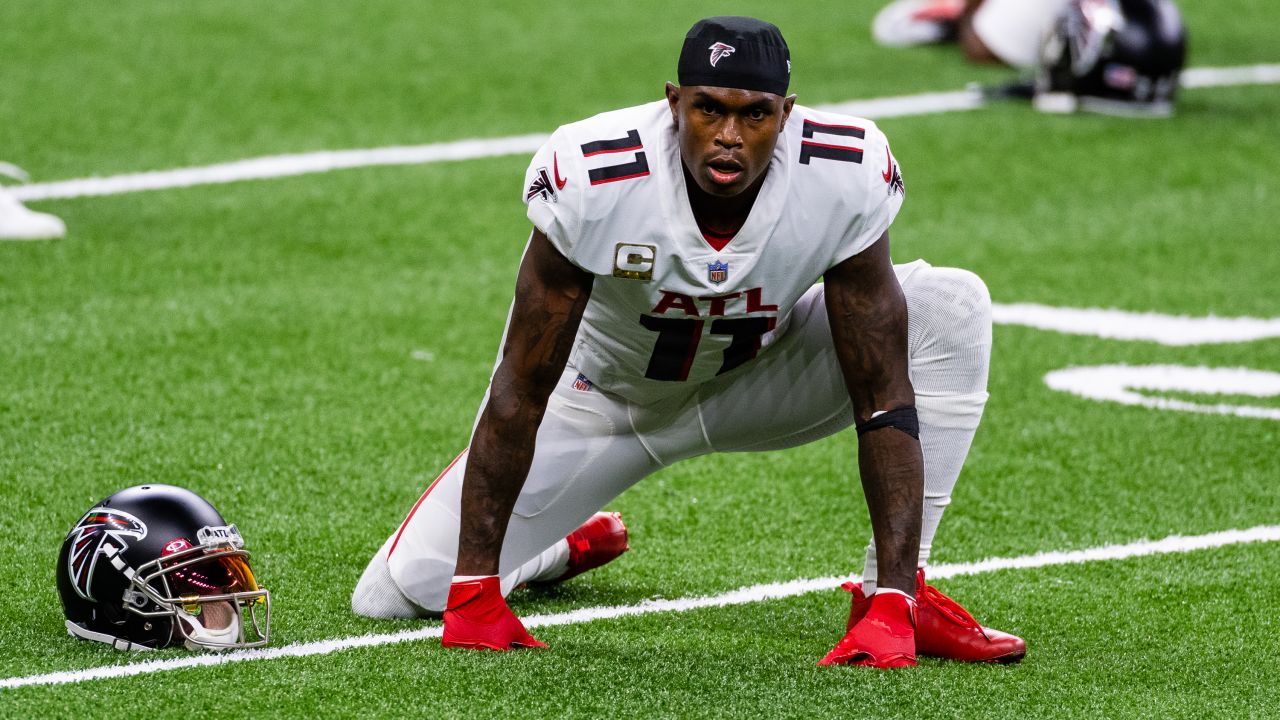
{"x":717,"y":272}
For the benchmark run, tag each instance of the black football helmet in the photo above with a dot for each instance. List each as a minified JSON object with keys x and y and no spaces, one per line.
{"x":1120,"y":57}
{"x":156,"y":565}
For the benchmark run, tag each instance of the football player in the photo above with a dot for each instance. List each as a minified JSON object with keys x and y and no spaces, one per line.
{"x":665,"y":308}
{"x":988,"y":31}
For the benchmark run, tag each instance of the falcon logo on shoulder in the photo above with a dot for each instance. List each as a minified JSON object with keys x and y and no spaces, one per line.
{"x":541,"y":187}
{"x":720,"y":51}
{"x":90,"y":534}
{"x":892,"y":176}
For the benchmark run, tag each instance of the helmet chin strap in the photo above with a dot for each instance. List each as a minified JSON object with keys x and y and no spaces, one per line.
{"x":199,"y":637}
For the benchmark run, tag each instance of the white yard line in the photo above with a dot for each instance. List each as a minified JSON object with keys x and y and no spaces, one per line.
{"x":755,"y":593}
{"x":1224,"y":76}
{"x":1176,"y":330}
{"x":907,"y":105}
{"x":275,"y":166}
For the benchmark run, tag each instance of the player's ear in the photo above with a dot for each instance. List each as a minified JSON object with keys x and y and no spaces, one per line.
{"x":673,"y":99}
{"x":787,"y":103}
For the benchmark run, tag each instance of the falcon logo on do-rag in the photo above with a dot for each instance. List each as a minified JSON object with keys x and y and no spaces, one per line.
{"x":753,"y":54}
{"x":719,"y":51}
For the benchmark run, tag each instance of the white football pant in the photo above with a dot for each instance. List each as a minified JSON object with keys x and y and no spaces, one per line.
{"x":1013,"y":30}
{"x":592,"y":446}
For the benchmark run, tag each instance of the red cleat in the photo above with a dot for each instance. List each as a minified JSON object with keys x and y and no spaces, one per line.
{"x":861,"y":604}
{"x":883,"y":638}
{"x":477,"y":618}
{"x":599,"y":540}
{"x":946,"y":630}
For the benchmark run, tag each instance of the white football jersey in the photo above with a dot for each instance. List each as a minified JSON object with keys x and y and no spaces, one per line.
{"x":668,"y":310}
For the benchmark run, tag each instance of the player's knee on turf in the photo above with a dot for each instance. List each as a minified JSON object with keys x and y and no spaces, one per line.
{"x":425,"y":581}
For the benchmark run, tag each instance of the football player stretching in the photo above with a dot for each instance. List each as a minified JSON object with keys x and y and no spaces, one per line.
{"x":666,"y":308}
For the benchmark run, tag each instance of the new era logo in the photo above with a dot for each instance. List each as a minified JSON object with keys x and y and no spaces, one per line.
{"x":719,"y":51}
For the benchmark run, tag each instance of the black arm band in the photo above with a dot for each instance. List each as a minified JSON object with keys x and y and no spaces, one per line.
{"x":903,"y":418}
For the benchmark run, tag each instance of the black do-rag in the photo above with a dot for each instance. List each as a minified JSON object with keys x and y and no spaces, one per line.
{"x":735,"y":52}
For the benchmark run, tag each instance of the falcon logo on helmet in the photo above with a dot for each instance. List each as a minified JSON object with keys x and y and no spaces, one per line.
{"x":86,"y":540}
{"x":719,"y":51}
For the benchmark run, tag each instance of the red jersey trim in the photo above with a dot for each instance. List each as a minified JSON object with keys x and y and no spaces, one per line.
{"x":718,"y":242}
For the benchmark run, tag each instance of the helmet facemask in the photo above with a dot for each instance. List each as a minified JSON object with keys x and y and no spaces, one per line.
{"x":207,"y":589}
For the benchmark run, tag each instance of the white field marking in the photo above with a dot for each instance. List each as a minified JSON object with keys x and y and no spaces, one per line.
{"x":1117,"y":383}
{"x":1122,"y":325}
{"x":752,"y":594}
{"x":906,"y":105}
{"x":274,"y":166}
{"x":1219,"y":77}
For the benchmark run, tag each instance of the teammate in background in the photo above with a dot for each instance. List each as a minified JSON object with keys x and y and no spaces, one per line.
{"x":988,"y":31}
{"x":665,"y":308}
{"x":19,"y":223}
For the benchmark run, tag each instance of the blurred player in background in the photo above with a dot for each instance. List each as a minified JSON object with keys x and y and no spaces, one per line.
{"x":17,"y":222}
{"x":666,"y":308}
{"x":988,"y":31}
{"x":1119,"y":57}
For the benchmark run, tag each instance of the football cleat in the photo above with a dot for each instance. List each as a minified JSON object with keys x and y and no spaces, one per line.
{"x":477,"y":618}
{"x":884,"y":637}
{"x":598,"y":541}
{"x":904,"y":23}
{"x":944,"y":629}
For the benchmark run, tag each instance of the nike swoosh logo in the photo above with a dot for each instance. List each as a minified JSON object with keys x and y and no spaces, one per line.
{"x":561,"y":182}
{"x":888,"y":171}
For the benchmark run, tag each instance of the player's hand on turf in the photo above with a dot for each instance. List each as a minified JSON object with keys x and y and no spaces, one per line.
{"x":477,"y":617}
{"x":884,"y":638}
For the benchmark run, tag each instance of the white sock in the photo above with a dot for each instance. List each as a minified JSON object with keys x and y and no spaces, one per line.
{"x":895,"y":591}
{"x":469,"y":578}
{"x":547,"y":565}
{"x":949,"y":339}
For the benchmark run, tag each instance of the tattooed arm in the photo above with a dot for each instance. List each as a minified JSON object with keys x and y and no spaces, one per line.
{"x":868,"y":315}
{"x":551,"y":294}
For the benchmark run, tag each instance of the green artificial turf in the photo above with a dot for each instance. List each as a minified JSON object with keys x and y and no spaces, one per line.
{"x":309,"y":352}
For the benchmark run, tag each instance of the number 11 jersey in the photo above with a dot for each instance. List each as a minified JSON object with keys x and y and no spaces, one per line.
{"x":670,"y":307}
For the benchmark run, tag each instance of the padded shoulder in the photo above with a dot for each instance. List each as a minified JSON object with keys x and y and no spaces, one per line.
{"x":847,"y":160}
